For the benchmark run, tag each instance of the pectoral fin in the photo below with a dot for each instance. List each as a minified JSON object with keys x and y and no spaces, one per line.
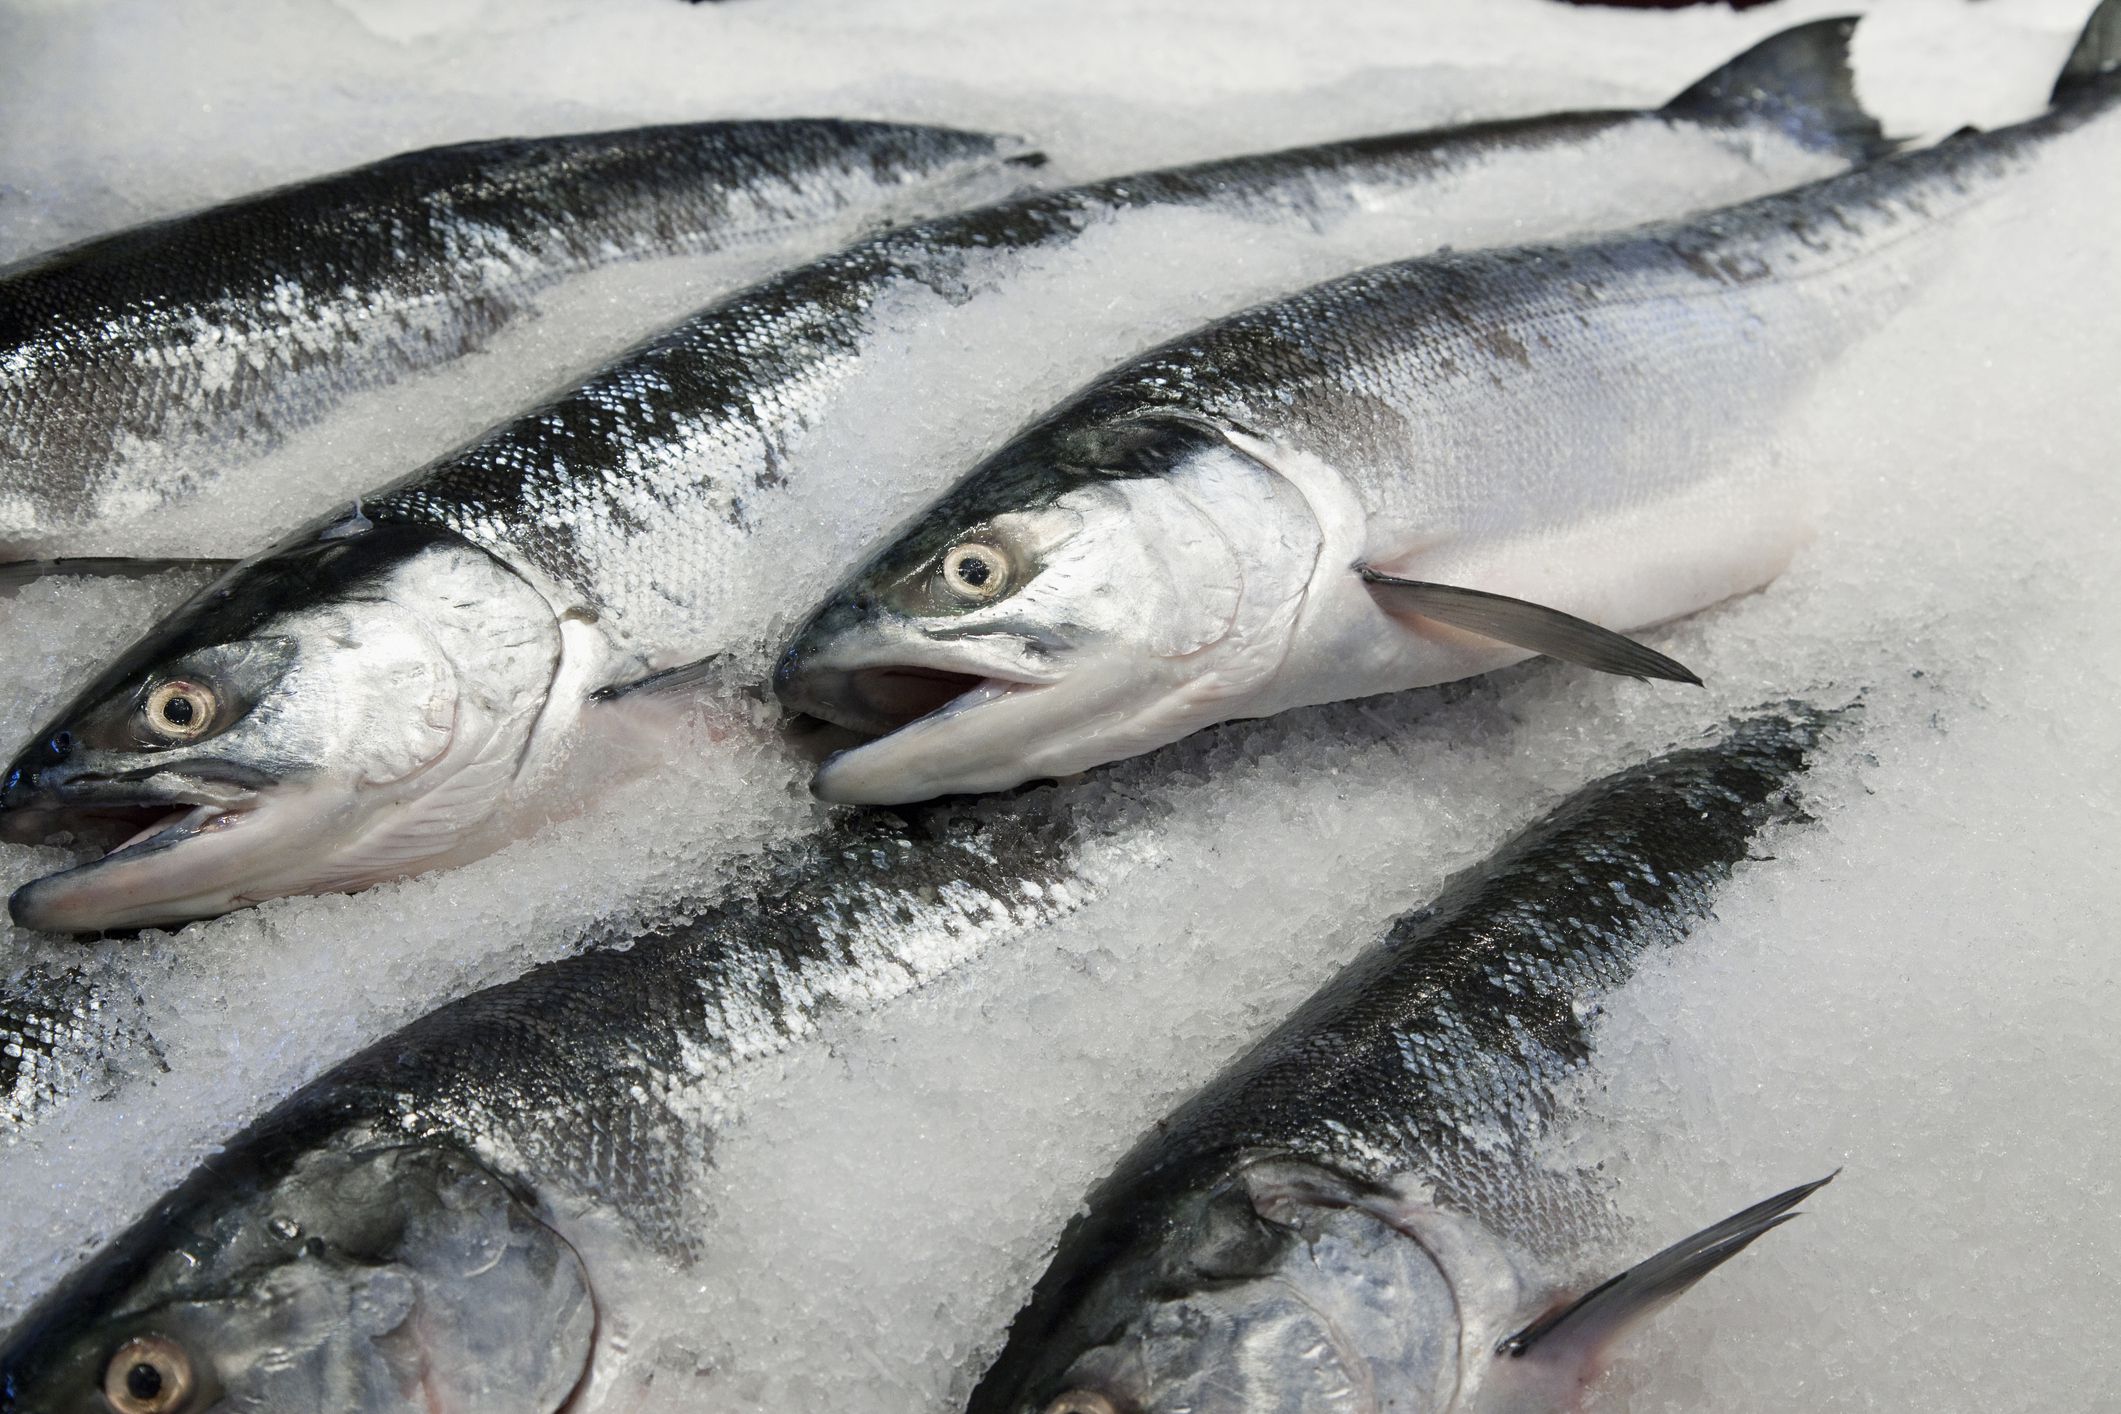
{"x":682,"y":678}
{"x":1529,"y":626}
{"x":1580,"y":1330}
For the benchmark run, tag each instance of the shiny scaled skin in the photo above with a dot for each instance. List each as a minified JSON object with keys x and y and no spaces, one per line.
{"x":576,"y":1103}
{"x":1354,"y":1212}
{"x":136,"y":367}
{"x":62,"y":1034}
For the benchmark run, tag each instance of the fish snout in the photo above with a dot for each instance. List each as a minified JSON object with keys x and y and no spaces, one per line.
{"x":828,"y":694}
{"x":814,"y":674}
{"x":28,"y":791}
{"x":19,"y":789}
{"x":794,"y":682}
{"x":859,"y":666}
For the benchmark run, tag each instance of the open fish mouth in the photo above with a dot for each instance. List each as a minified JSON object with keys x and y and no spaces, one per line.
{"x":883,"y":700}
{"x":112,"y":816}
{"x":878,"y":701}
{"x":934,"y":730}
{"x":145,"y":840}
{"x":113,"y":829}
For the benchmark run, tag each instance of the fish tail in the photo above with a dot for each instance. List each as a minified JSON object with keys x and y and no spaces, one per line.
{"x":1801,"y":79}
{"x":2095,"y":64}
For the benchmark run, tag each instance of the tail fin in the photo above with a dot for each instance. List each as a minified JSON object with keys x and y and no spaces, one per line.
{"x":1801,"y":81}
{"x":2097,"y":55}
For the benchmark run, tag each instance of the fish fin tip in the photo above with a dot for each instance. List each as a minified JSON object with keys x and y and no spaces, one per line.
{"x":682,"y":678}
{"x":1800,"y":73}
{"x":2096,"y":55}
{"x":1521,"y":623}
{"x":1599,"y":1316}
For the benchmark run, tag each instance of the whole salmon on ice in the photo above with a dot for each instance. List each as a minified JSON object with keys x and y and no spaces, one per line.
{"x":1415,"y":473}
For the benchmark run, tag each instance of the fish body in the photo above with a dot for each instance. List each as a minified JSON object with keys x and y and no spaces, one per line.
{"x":142,"y":366}
{"x":1355,"y":1215}
{"x":471,"y":1213}
{"x":1408,"y":475}
{"x":598,"y":541}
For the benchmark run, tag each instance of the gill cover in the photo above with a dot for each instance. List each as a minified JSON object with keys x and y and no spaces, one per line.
{"x":389,"y":1278}
{"x":1270,"y":1287}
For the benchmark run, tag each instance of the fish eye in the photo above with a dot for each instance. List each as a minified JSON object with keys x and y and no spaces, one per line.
{"x":149,"y":1374}
{"x":180,"y":711}
{"x":975,"y":571}
{"x":1082,"y":1401}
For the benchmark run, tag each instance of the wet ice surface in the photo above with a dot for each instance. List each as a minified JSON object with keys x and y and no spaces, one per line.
{"x":1919,"y":988}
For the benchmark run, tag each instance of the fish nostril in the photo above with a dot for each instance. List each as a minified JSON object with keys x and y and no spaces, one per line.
{"x":787,"y":671}
{"x":19,"y":788}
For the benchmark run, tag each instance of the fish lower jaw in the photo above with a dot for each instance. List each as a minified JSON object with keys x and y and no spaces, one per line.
{"x":180,"y":822}
{"x":103,"y":829}
{"x":988,"y":737}
{"x":154,"y":876}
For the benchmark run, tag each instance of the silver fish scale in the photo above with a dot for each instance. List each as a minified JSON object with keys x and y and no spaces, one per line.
{"x":604,"y":1076}
{"x":1441,"y":1054}
{"x":637,"y":490}
{"x":1529,"y":389}
{"x":62,"y":1034}
{"x":139,"y":355}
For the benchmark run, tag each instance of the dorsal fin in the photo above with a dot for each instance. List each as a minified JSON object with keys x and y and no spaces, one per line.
{"x":1799,"y":79}
{"x":2097,"y":55}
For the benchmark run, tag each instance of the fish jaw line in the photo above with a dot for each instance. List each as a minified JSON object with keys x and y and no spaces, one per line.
{"x":189,"y":864}
{"x":994,"y":735}
{"x":1103,"y":702}
{"x":873,"y":774}
{"x":129,"y":809}
{"x":176,"y":826}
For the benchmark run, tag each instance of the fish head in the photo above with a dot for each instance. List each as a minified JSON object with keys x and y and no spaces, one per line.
{"x":1267,"y":1287}
{"x":372,"y":1276}
{"x":333,"y":714}
{"x":1085,"y":595}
